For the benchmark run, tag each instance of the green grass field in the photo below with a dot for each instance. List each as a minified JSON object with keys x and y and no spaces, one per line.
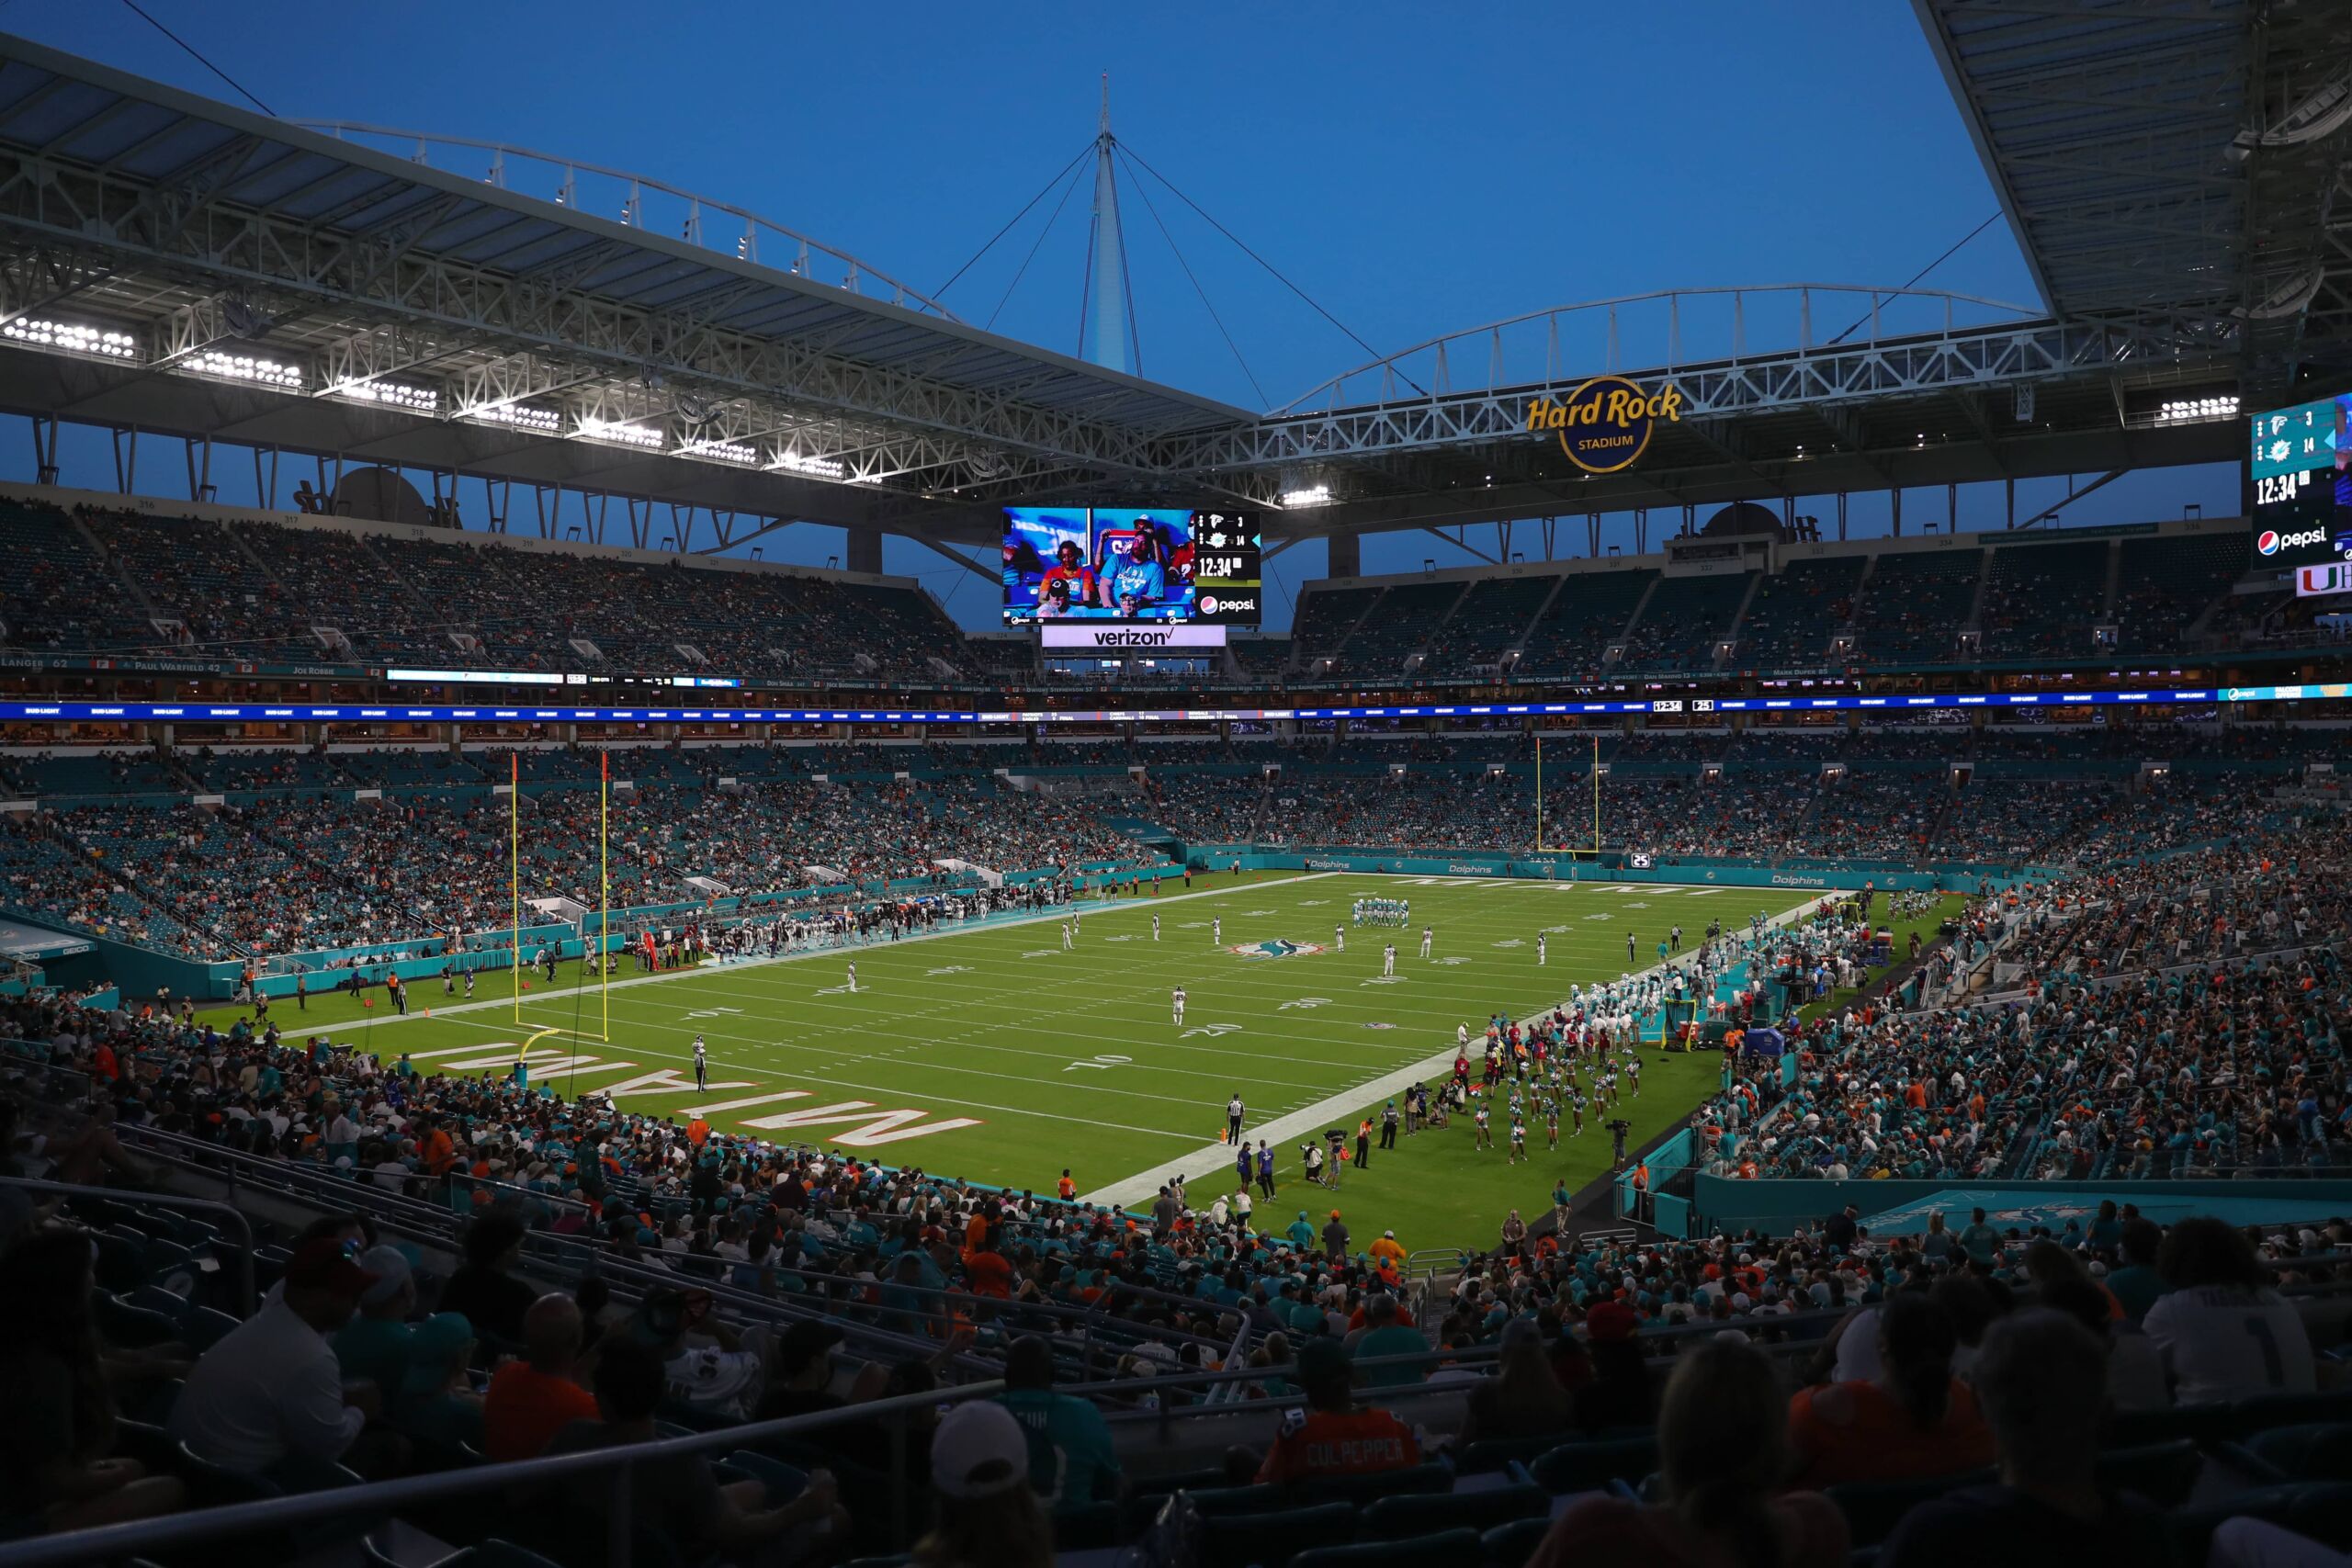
{"x":993,"y":1055}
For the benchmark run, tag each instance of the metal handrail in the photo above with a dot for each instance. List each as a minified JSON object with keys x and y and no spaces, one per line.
{"x":118,"y":1196}
{"x":117,"y":1541}
{"x":426,"y":1219}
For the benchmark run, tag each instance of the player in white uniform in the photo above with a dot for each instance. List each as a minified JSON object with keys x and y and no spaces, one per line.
{"x":1155,"y":928}
{"x":1388,"y":959}
{"x":1428,"y":935}
{"x":1542,"y":950}
{"x":1066,"y":936}
{"x":852,"y":975}
{"x":1340,"y":937}
{"x":1177,"y":998}
{"x":1217,"y":929}
{"x":701,"y":1065}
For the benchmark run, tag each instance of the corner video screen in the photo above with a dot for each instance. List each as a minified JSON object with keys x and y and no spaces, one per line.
{"x":2300,"y":469}
{"x":1158,"y":564}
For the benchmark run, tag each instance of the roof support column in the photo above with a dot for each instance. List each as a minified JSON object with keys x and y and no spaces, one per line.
{"x":865,"y":550}
{"x":1346,"y":555}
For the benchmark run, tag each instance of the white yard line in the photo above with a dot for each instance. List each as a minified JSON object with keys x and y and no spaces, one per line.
{"x":1059,"y":911}
{"x":1212,"y":1161}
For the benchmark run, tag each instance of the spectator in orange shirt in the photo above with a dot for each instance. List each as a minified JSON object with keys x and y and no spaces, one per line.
{"x":1914,"y":1419}
{"x":440,"y":1153}
{"x":1334,"y":1436}
{"x":985,"y":1268}
{"x":1065,"y":1188}
{"x":533,"y":1399}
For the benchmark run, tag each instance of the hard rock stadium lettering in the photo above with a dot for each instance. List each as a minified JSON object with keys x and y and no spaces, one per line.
{"x":1605,"y":424}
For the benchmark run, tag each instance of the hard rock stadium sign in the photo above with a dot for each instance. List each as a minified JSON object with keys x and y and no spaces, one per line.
{"x":1605,"y":424}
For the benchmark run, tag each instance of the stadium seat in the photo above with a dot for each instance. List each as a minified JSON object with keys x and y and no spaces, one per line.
{"x":1257,"y":1499}
{"x":1510,"y":1545}
{"x":2318,"y":1450}
{"x":1591,"y":1466}
{"x":1872,"y":1508}
{"x":1490,"y":1454}
{"x":156,"y":1299}
{"x":134,"y":1327}
{"x":202,"y":1327}
{"x":1444,"y":1549}
{"x":1397,"y":1518}
{"x":2158,"y":1470}
{"x":1271,"y":1536}
{"x":2282,"y":1505}
{"x":1420,"y":1479}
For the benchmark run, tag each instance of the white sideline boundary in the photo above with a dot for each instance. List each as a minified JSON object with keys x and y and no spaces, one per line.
{"x":1211,"y":1162}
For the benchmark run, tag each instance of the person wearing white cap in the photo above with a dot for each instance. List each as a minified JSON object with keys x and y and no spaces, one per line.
{"x":986,"y":1511}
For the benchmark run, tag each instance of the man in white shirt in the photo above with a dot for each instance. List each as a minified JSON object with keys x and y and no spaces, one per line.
{"x":271,"y":1387}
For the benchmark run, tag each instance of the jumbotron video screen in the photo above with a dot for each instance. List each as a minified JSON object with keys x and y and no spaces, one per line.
{"x":1165,"y":565}
{"x":2300,"y":469}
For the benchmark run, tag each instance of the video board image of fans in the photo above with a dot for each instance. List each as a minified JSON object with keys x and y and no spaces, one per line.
{"x":1145,"y":564}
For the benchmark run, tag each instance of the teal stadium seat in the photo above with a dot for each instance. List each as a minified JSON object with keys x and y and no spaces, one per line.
{"x":1446,"y":1548}
{"x":1510,"y":1545}
{"x":1400,"y":1518}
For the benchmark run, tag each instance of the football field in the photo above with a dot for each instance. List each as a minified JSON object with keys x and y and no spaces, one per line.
{"x":992,"y":1053}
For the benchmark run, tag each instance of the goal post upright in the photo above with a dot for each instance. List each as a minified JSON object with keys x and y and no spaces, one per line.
{"x":1539,"y":794}
{"x":1596,"y":796}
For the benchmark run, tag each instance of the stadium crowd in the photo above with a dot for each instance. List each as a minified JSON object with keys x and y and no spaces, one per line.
{"x":2179,"y":1017}
{"x":1976,"y":1371}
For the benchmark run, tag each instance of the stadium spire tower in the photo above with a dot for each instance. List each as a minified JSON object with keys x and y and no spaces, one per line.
{"x":1107,"y":306}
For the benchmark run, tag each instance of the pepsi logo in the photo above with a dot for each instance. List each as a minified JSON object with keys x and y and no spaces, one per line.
{"x":1208,"y":601}
{"x":2268,"y":543}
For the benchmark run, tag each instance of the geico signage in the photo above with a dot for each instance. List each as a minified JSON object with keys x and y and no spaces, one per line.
{"x":1064,"y":634}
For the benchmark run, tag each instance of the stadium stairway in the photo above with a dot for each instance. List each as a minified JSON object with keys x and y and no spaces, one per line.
{"x":1730,"y":634}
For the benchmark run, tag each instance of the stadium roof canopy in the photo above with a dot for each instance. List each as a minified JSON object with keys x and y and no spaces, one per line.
{"x":172,"y":264}
{"x":2171,"y":155}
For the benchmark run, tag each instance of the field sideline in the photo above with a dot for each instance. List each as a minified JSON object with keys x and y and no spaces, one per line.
{"x":992,"y":1053}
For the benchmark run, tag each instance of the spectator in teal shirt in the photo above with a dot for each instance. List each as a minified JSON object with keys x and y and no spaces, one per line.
{"x":1071,"y":1460}
{"x":374,"y":1345}
{"x":2136,"y":1285}
{"x":1980,"y":1241}
{"x":1301,"y":1233}
{"x":1384,"y":1335}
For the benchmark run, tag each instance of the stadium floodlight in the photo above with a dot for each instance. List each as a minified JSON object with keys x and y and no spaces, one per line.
{"x":1313,"y":495}
{"x":2197,"y":410}
{"x":516,"y":416}
{"x":247,"y":367}
{"x":392,"y":394}
{"x":72,"y":337}
{"x":813,"y":468}
{"x":723,"y":451}
{"x":645,"y":438}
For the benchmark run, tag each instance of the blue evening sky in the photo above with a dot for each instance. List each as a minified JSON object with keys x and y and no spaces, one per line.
{"x":1414,"y":168}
